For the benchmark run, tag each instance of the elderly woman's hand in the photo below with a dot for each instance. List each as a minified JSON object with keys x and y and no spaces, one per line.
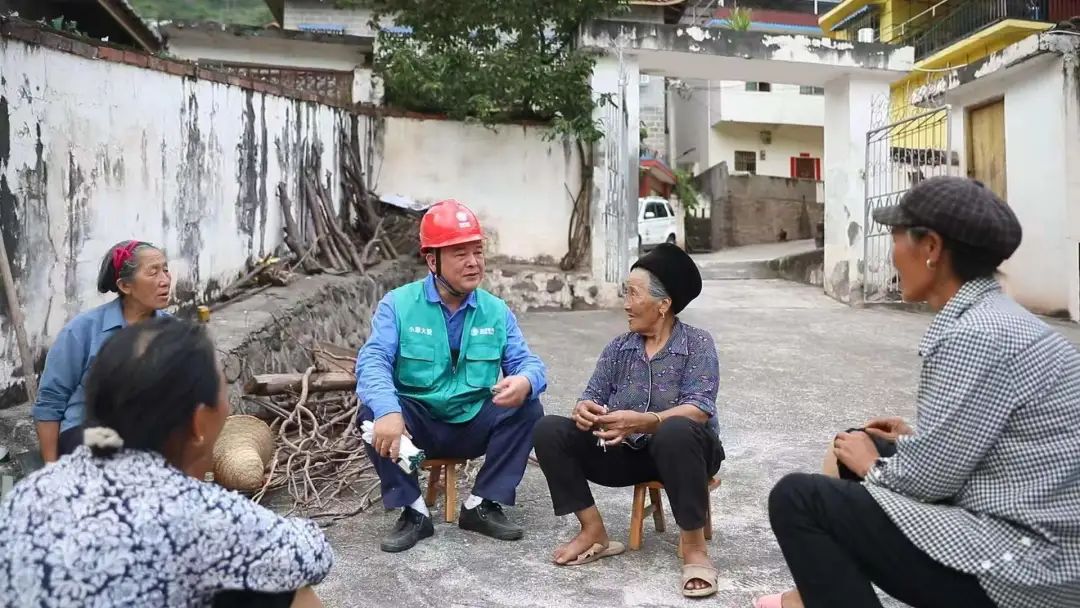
{"x":585,"y":414}
{"x":617,"y":425}
{"x":888,"y":429}
{"x":856,"y":451}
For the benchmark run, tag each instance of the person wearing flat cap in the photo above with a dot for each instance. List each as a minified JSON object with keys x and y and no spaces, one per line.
{"x":978,"y":503}
{"x":648,"y":414}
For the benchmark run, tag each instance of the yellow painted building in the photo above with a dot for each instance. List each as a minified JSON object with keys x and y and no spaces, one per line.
{"x":945,"y":34}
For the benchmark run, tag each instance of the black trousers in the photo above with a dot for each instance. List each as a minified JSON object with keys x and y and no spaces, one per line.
{"x":69,"y":440}
{"x":682,"y":454}
{"x":837,"y":541}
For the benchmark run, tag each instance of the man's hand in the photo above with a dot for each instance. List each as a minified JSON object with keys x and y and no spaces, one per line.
{"x":585,"y":414}
{"x":388,"y":431}
{"x":512,"y":391}
{"x":889,"y":428}
{"x":617,"y":425}
{"x":856,"y":451}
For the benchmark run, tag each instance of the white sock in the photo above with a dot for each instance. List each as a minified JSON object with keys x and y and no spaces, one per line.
{"x":473,"y":501}
{"x":420,"y":507}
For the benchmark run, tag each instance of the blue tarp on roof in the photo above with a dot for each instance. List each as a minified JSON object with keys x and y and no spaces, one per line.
{"x":846,"y":21}
{"x":763,"y":26}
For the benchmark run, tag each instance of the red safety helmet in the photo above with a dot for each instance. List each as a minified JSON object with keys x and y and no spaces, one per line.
{"x":449,"y":223}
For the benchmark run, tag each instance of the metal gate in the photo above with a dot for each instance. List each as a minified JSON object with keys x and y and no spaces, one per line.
{"x":619,"y":210}
{"x":898,"y":156}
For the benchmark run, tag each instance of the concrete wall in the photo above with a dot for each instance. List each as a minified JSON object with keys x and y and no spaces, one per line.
{"x":193,"y":164}
{"x":690,"y":110}
{"x":786,"y":141}
{"x":654,"y":114}
{"x":511,"y":176}
{"x":190,"y":164}
{"x":783,"y":105}
{"x":754,"y":209}
{"x":1040,"y":273}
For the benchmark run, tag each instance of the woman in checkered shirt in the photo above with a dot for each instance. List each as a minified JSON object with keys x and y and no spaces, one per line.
{"x":978,"y":505}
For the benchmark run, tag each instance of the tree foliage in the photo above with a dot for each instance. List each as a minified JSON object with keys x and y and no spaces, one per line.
{"x":247,"y":12}
{"x":491,"y":61}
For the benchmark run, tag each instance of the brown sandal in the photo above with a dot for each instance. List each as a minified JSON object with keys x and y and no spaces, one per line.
{"x":597,"y":551}
{"x":699,"y":572}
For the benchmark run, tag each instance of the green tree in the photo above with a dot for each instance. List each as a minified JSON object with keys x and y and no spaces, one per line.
{"x":490,"y":61}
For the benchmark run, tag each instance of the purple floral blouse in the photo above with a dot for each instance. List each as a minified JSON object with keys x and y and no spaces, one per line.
{"x":686,"y":371}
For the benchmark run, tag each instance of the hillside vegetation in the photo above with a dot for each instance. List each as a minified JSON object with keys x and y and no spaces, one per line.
{"x":249,"y":12}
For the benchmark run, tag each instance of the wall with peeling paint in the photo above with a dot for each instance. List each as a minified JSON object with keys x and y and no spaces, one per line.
{"x":93,"y":152}
{"x":515,"y":178}
{"x":1040,"y":274}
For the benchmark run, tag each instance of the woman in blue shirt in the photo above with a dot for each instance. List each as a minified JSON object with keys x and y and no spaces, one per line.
{"x":138,"y":273}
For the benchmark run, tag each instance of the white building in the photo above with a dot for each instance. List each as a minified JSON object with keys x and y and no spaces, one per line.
{"x":1015,"y":125}
{"x":756,"y":127}
{"x":335,"y":65}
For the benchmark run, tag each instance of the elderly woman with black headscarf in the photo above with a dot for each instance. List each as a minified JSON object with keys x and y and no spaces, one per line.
{"x":978,"y":505}
{"x":648,"y":414}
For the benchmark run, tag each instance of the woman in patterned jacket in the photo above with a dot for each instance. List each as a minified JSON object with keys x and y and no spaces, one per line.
{"x":648,"y":414}
{"x":126,"y":519}
{"x":978,"y":505}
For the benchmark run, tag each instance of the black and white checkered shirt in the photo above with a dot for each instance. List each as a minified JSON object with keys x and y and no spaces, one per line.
{"x":989,"y":484}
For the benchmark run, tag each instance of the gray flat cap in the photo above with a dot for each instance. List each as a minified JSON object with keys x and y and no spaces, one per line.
{"x":959,"y":209}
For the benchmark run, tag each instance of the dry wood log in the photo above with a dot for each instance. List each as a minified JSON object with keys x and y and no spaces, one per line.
{"x":293,"y":239}
{"x":16,"y":316}
{"x":343,"y":242}
{"x":276,"y":384}
{"x":326,"y":243}
{"x":333,"y":358}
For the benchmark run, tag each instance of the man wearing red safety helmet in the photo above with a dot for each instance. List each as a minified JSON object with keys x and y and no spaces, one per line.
{"x":431,"y":369}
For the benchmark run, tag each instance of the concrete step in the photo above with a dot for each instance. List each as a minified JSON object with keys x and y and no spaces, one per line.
{"x":737,"y":271}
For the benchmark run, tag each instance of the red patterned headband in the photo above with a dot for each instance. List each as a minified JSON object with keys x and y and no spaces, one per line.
{"x":121,"y":255}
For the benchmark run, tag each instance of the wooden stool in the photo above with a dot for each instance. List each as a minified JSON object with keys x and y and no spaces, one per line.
{"x":436,"y":466}
{"x":656,"y":509}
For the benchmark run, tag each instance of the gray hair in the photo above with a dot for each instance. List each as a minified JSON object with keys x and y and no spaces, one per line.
{"x":108,"y":276}
{"x":656,"y":288}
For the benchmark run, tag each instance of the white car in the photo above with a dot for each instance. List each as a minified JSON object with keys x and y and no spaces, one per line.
{"x":656,"y":222}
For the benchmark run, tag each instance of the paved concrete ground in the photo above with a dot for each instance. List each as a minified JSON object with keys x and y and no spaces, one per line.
{"x":795,"y":366}
{"x":750,"y":262}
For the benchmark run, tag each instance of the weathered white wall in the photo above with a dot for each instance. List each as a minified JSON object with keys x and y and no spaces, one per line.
{"x":1040,"y":273}
{"x":848,"y":116}
{"x":511,"y":176}
{"x":94,"y":152}
{"x":787,"y":141}
{"x":690,"y":114}
{"x":783,"y":105}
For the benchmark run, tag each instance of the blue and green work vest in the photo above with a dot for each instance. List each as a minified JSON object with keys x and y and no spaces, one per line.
{"x":453,"y":390}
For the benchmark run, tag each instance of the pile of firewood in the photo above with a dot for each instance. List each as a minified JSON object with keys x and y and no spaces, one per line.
{"x":364,"y":233}
{"x":319,"y":457}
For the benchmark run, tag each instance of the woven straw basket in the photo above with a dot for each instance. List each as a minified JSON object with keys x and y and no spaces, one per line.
{"x":242,"y":452}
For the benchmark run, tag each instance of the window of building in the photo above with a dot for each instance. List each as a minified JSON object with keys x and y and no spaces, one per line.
{"x":746,"y":161}
{"x":811,"y":90}
{"x":759,"y":87}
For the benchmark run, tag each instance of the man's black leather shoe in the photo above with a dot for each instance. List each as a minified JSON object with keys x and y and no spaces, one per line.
{"x":488,"y":519}
{"x":409,"y":529}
